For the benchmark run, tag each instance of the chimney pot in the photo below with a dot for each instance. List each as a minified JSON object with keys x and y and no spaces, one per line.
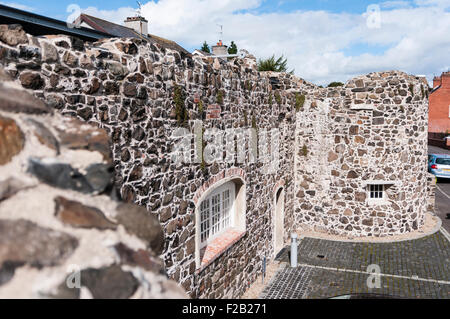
{"x":445,"y":80}
{"x":436,"y":81}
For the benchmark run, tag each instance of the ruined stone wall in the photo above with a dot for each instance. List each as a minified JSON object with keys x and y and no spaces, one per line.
{"x":372,"y":130}
{"x":140,"y":94}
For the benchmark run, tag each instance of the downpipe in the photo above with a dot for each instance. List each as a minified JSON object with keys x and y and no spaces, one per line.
{"x":294,"y":246}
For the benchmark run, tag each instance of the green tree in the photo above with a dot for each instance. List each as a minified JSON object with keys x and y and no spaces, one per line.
{"x":233,"y":48}
{"x":335,"y":84}
{"x":270,"y":64}
{"x":205,"y":48}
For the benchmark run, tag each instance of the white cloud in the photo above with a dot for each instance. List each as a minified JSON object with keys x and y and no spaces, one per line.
{"x":116,"y":16}
{"x":395,"y":4}
{"x":439,"y":3}
{"x":313,"y":41}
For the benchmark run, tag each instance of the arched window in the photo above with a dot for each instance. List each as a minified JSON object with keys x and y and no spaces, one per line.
{"x":216,"y":213}
{"x":220,"y":219}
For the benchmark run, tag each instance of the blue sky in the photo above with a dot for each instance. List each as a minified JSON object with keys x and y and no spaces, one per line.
{"x":324,"y":40}
{"x":57,"y":9}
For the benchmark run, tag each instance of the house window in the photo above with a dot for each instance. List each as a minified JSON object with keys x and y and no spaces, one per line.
{"x":220,"y":219}
{"x":216,"y":213}
{"x":376,"y":192}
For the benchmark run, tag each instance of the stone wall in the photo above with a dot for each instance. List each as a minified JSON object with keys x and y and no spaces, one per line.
{"x":140,"y":94}
{"x":61,"y":233}
{"x":372,"y":130}
{"x":131,"y":89}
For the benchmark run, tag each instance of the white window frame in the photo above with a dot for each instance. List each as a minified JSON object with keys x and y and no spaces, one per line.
{"x":384,"y":200}
{"x":374,"y":189}
{"x":214,"y":219}
{"x":378,"y":191}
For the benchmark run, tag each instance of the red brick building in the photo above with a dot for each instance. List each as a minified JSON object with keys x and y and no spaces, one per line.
{"x":439,"y":107}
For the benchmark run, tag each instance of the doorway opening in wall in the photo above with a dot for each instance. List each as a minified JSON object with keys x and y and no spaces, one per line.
{"x":278,"y":241}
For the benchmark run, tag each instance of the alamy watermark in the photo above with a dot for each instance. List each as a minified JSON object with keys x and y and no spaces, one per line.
{"x":231,"y":146}
{"x":373,"y":16}
{"x":73,"y":280}
{"x":71,"y":20}
{"x":374,"y":280}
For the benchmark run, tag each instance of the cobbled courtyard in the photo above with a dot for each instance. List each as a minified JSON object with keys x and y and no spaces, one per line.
{"x":326,"y":269}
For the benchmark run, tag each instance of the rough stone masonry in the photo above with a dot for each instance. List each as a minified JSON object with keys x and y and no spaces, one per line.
{"x":62,"y":234}
{"x":334,"y":142}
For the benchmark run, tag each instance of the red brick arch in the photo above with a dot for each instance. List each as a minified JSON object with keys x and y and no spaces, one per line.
{"x":278,"y":185}
{"x":225,"y":174}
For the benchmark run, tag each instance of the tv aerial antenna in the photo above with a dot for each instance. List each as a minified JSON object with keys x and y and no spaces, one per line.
{"x":139,"y":10}
{"x":241,"y":53}
{"x":220,"y":32}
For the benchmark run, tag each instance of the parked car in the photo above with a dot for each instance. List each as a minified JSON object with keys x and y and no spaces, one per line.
{"x":439,"y":165}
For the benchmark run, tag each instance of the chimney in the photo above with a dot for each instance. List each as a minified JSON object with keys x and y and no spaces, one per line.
{"x":436,"y":81}
{"x":445,"y":80}
{"x":138,"y":24}
{"x":220,"y":49}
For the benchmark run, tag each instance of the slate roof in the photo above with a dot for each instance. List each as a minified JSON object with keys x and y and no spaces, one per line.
{"x":113,"y":29}
{"x":121,"y":31}
{"x":200,"y":52}
{"x":435,"y":89}
{"x":167,"y":43}
{"x":38,"y":25}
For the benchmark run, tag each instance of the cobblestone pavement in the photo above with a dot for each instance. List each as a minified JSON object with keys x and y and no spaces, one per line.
{"x":410,"y":269}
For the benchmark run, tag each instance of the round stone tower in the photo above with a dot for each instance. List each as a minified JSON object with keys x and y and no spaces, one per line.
{"x":361,"y":162}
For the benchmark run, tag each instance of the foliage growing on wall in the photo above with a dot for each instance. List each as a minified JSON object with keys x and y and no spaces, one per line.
{"x":180,"y":108}
{"x":255,"y":127}
{"x":411,"y":89}
{"x":203,"y":162}
{"x":299,"y":101}
{"x":278,"y":97}
{"x":270,"y":64}
{"x":248,"y":86}
{"x":219,"y":97}
{"x":304,"y":150}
